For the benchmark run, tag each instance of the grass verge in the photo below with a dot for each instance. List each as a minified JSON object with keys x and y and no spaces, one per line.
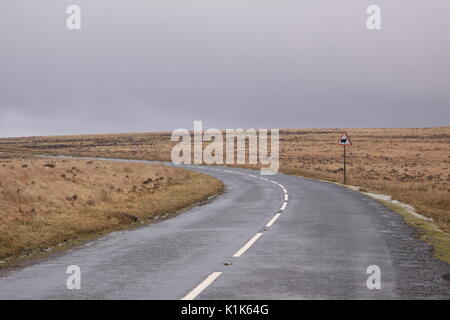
{"x":45,"y":216}
{"x":426,"y":231}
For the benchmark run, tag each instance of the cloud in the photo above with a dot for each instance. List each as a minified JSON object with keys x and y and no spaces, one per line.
{"x":159,"y":65}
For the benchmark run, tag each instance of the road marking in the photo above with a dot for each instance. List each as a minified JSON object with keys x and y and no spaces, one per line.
{"x":202,"y":286}
{"x":256,"y":237}
{"x":247,"y":245}
{"x":273,"y":220}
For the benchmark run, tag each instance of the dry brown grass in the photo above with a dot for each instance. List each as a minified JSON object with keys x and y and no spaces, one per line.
{"x":412,"y":165}
{"x":46,"y":202}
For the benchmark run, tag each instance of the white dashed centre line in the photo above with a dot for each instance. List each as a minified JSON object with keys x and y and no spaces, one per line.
{"x":202,"y":286}
{"x":268,"y":225}
{"x":247,"y":245}
{"x":212,"y":277}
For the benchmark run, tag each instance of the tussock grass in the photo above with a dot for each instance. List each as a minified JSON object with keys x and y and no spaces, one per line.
{"x":46,"y":203}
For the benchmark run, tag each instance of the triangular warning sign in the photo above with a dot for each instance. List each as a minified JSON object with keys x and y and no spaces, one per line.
{"x":344,"y":140}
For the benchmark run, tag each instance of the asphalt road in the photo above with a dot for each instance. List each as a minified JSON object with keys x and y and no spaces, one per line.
{"x":281,"y":238}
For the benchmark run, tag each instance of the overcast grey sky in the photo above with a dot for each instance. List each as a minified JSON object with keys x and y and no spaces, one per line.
{"x":159,"y":65}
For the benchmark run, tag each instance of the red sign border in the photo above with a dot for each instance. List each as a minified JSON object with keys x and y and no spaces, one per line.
{"x":348,"y":137}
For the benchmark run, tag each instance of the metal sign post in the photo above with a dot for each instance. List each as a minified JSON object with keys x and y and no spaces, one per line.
{"x":345,"y":141}
{"x":345,"y":165}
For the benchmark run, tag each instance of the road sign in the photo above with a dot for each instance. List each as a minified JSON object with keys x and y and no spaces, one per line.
{"x":344,"y":140}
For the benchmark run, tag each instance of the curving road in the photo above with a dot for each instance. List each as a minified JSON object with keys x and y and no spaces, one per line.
{"x":272,"y":237}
